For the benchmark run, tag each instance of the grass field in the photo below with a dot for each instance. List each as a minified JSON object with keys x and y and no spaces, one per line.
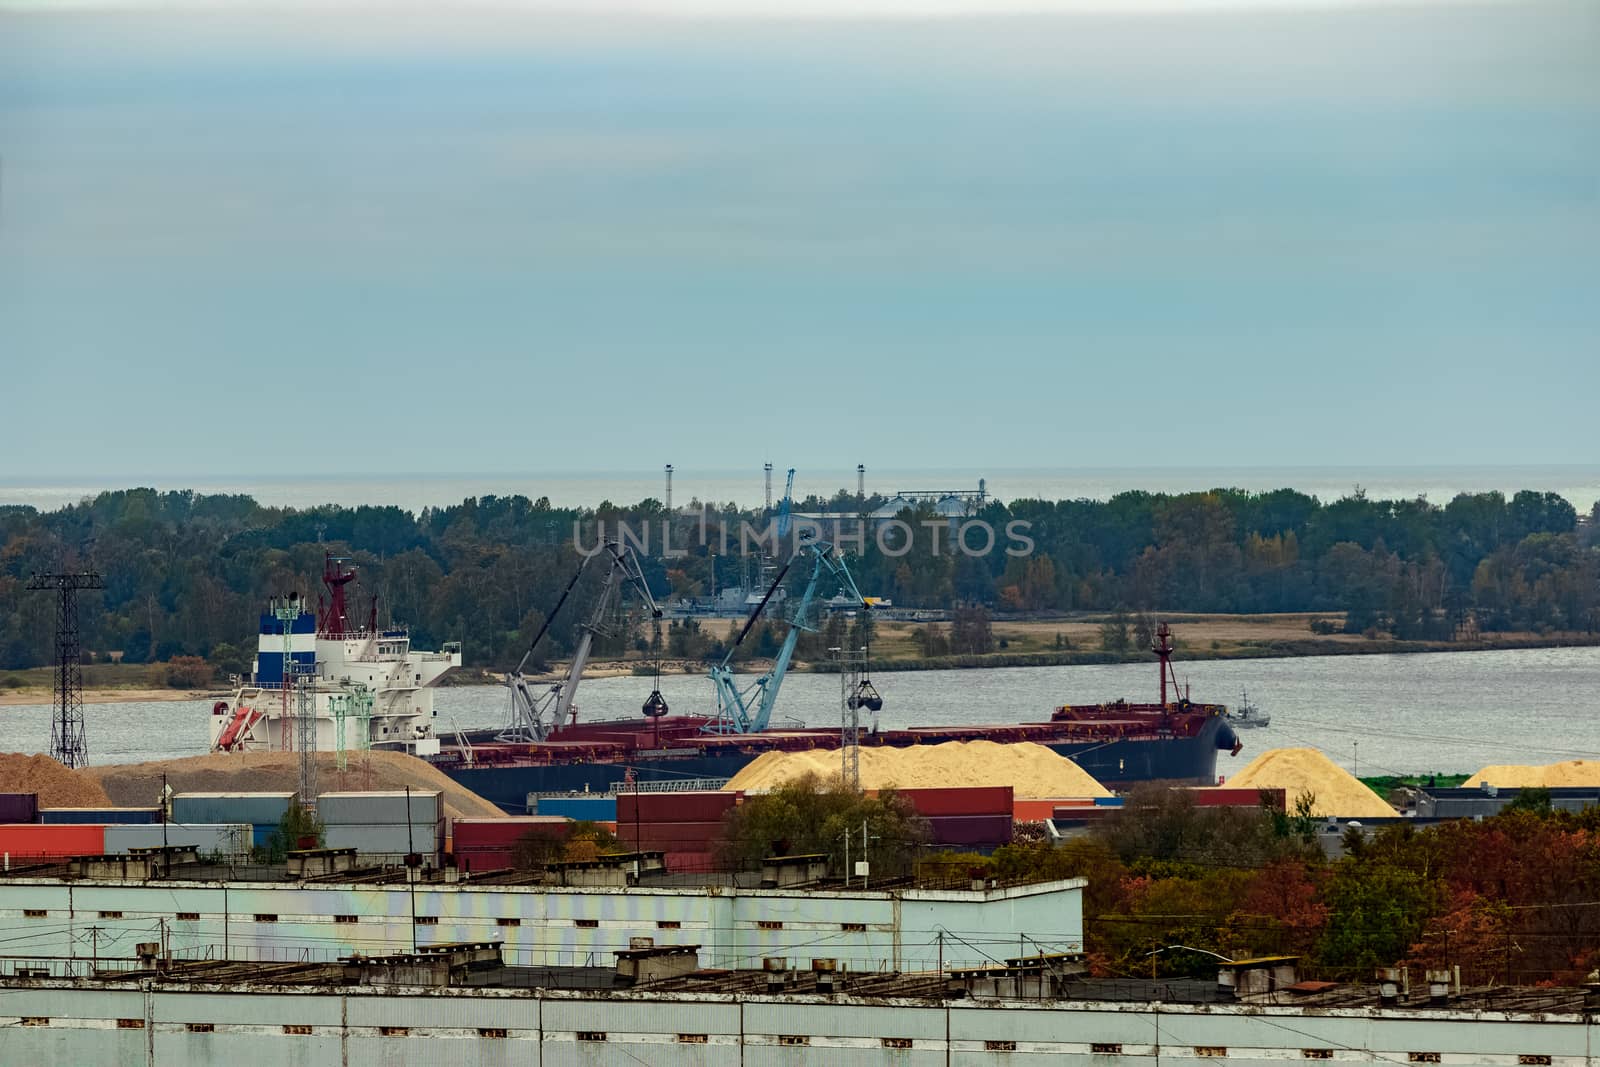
{"x":1224,"y":634}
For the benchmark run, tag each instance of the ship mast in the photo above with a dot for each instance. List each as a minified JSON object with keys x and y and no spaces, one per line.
{"x":335,"y":577}
{"x":1163,"y":650}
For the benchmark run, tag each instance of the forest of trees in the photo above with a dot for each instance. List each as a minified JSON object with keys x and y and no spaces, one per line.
{"x":187,"y":574}
{"x":1514,"y":899}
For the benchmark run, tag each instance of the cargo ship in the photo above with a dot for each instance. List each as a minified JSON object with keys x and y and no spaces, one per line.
{"x":1119,"y":743}
{"x":327,"y":682}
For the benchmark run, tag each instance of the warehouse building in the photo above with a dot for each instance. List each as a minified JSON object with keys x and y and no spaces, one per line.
{"x":1021,"y":1011}
{"x":116,"y":905}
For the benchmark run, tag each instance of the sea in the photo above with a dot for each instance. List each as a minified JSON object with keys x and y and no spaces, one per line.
{"x":1578,"y":483}
{"x":1379,"y":714}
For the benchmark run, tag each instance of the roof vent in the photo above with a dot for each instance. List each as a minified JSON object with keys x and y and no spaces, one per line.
{"x":1392,"y":981}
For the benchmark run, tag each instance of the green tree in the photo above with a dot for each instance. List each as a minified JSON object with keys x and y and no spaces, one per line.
{"x":1114,"y":635}
{"x":1376,"y":912}
{"x":970,"y":631}
{"x":812,"y":815}
{"x":1534,"y":800}
{"x":298,"y":828}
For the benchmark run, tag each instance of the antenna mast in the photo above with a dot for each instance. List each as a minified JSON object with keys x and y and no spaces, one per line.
{"x":67,"y":741}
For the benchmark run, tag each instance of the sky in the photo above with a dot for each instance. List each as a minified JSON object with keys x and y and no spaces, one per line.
{"x":242,"y":240}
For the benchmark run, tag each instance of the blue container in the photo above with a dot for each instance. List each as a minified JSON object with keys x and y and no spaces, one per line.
{"x":208,"y":838}
{"x":261,"y":834}
{"x":1108,"y":802}
{"x":253,"y":808}
{"x":100,"y":816}
{"x":582,"y":809}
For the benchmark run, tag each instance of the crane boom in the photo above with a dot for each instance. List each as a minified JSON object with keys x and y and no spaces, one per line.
{"x":529,"y":721}
{"x":750,"y":710}
{"x":785,"y":508}
{"x":544,"y":627}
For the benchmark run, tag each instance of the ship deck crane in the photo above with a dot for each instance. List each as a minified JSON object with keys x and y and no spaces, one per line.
{"x":751,"y":709}
{"x":534,"y":717}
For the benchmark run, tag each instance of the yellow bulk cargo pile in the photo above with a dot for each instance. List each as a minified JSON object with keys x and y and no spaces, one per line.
{"x":1031,"y":770}
{"x":1334,"y":790}
{"x":1573,"y":774}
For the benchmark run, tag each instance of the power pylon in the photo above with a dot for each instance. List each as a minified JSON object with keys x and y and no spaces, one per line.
{"x":67,"y":741}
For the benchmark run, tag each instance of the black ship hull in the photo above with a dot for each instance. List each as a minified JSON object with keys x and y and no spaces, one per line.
{"x":1117,"y":764}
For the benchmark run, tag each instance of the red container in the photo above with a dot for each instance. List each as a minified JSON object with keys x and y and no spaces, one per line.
{"x":480,"y":860}
{"x":1031,"y":809}
{"x":1229,"y":797}
{"x":690,"y":862}
{"x":675,"y":807}
{"x":970,"y":829}
{"x":469,"y":834}
{"x":1089,"y":814}
{"x":670,"y":836}
{"x":979,"y":800}
{"x":22,"y":842}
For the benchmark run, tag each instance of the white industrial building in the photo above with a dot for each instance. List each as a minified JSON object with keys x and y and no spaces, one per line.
{"x":897,"y":929}
{"x":175,"y":1024}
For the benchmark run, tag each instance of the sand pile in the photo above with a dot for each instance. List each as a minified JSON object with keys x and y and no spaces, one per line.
{"x":1574,"y":773}
{"x":1335,"y":791}
{"x":138,"y":784}
{"x":1031,"y":770}
{"x":57,"y":786}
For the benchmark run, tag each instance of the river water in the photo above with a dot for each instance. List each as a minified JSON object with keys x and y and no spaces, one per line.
{"x":1445,"y":712}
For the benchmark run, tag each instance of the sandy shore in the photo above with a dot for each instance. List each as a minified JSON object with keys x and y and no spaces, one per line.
{"x":14,"y":697}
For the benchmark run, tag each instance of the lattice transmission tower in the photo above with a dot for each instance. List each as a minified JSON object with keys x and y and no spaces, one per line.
{"x":67,"y":741}
{"x":851,"y":662}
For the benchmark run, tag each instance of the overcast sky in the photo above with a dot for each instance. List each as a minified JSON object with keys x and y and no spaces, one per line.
{"x":380,"y":240}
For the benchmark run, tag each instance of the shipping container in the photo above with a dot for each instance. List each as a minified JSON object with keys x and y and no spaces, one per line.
{"x":227,"y":839}
{"x":671,"y":836}
{"x":1093,"y":814}
{"x":970,"y":829}
{"x":978,"y":800}
{"x":20,"y":842}
{"x":469,"y":834}
{"x":387,"y":806}
{"x":100,"y":816}
{"x":591,"y":809}
{"x":1229,"y":797}
{"x":254,"y":808}
{"x":484,"y":859}
{"x":706,"y":806}
{"x":1032,"y":809}
{"x":690,"y":862}
{"x":386,"y":839}
{"x":19,"y":807}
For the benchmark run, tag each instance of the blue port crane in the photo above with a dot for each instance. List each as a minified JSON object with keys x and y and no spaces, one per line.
{"x":749,"y":710}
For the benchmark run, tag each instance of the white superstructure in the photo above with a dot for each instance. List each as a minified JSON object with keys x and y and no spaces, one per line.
{"x":363,"y":686}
